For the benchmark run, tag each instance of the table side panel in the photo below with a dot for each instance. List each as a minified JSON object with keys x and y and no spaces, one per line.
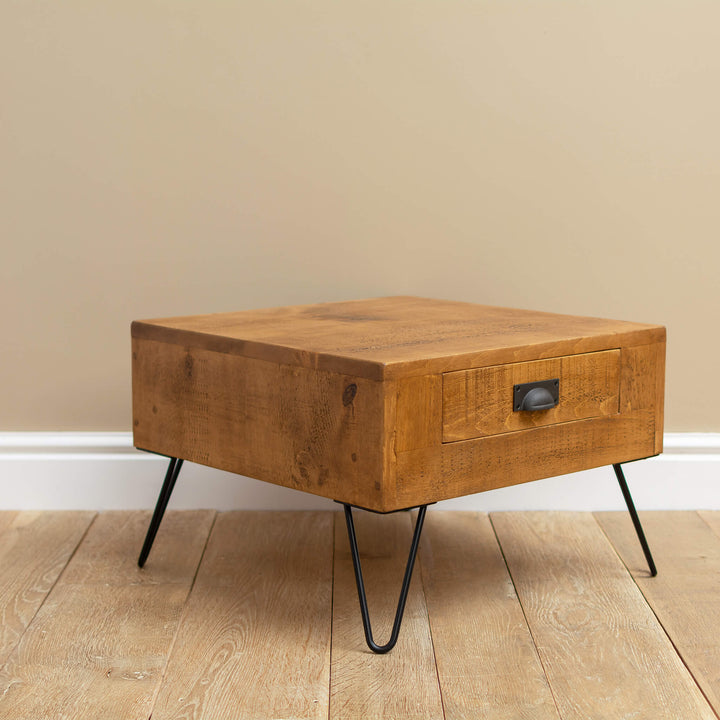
{"x":660,"y":351}
{"x":643,"y":383}
{"x":471,"y":466}
{"x":429,"y":470}
{"x":311,"y":430}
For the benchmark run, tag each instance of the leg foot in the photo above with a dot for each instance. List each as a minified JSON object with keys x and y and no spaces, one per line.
{"x":361,"y":586}
{"x":169,"y":483}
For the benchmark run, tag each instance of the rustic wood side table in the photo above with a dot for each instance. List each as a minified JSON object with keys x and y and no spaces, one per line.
{"x":393,"y":403}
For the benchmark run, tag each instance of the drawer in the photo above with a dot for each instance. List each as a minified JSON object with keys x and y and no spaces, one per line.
{"x":479,"y":402}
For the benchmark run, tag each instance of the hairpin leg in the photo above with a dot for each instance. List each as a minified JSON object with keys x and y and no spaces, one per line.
{"x":635,"y":519}
{"x":169,"y":483}
{"x":361,"y":586}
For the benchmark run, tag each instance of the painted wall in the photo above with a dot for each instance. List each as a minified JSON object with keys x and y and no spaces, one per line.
{"x":161,"y":158}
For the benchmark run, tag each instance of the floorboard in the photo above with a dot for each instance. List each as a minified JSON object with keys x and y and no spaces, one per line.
{"x":34,"y":549}
{"x":255,"y":637}
{"x":685,"y":595}
{"x":98,"y":645}
{"x":604,"y":653}
{"x":488,"y":665}
{"x":542,"y":616}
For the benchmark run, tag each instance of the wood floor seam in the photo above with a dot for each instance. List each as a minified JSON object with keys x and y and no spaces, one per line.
{"x":335,"y":517}
{"x":9,"y":652}
{"x":705,"y":516}
{"x":685,"y":613}
{"x":527,"y":623}
{"x":180,"y":620}
{"x":419,"y":571}
{"x":657,"y":617}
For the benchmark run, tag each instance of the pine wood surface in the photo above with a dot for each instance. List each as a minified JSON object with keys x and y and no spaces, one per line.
{"x":470,"y":466}
{"x":384,"y":338}
{"x":315,"y":431}
{"x":642,"y":384}
{"x":255,"y":615}
{"x":395,"y":402}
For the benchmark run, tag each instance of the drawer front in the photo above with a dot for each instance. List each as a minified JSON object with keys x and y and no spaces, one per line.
{"x":479,"y":402}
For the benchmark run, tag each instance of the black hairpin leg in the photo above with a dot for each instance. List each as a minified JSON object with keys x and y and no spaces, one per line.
{"x":361,"y":586}
{"x":635,"y":519}
{"x":169,"y":483}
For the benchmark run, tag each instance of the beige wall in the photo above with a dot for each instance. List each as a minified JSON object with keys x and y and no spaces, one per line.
{"x":161,"y":158}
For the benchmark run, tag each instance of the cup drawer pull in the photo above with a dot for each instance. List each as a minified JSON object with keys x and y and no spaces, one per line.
{"x":542,"y":395}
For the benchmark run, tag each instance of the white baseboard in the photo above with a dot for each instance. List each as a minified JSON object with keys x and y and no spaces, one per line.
{"x":102,"y":471}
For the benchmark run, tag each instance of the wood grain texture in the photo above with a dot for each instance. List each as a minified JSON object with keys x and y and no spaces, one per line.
{"x":255,"y":637}
{"x":98,"y":645}
{"x":460,"y":468}
{"x":659,"y":395}
{"x":109,"y":554}
{"x":479,"y":402}
{"x":487,"y":663}
{"x":345,"y":400}
{"x":403,"y":683}
{"x":685,"y":595}
{"x":34,"y":549}
{"x":603,"y":652}
{"x":643,"y":383}
{"x":383,"y":338}
{"x":418,"y":421}
{"x":310,"y":430}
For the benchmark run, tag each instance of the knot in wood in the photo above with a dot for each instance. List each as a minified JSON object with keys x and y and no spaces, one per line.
{"x":349,"y":394}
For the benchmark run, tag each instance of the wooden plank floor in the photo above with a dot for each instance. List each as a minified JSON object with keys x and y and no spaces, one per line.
{"x":255,"y":615}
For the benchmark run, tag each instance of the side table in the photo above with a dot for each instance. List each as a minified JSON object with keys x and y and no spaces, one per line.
{"x":396,"y":403}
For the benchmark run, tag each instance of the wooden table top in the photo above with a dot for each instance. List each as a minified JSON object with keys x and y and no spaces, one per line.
{"x":390,"y":337}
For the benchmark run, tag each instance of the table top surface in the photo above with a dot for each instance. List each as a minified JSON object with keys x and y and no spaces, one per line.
{"x":382,"y":338}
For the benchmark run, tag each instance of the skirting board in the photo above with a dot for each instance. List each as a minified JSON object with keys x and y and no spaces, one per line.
{"x":102,"y":471}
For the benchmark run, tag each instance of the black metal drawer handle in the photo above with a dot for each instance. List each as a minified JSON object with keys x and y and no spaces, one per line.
{"x":542,"y":395}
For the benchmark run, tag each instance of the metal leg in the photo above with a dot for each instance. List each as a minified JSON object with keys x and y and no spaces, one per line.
{"x":635,"y":519}
{"x":169,"y":483}
{"x":361,"y":586}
